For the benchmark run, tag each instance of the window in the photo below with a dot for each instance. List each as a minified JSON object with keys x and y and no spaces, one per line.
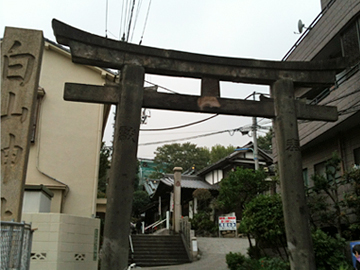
{"x":323,"y":169}
{"x":350,"y":42}
{"x":305,"y":177}
{"x":357,"y":156}
{"x":320,"y":168}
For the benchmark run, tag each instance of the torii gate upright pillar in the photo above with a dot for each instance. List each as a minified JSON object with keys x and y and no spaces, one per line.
{"x":295,"y":210}
{"x":123,"y":170}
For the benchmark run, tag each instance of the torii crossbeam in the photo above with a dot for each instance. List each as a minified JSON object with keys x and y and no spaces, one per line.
{"x":129,"y":96}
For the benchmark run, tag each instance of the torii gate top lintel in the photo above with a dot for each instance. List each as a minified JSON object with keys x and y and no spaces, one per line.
{"x":91,"y":49}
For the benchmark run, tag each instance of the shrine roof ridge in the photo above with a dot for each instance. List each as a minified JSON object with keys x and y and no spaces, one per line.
{"x":65,"y":34}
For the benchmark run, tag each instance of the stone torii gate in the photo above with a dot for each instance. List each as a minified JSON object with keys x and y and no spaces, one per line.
{"x":129,"y":96}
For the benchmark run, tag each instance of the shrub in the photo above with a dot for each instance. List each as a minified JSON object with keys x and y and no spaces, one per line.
{"x":234,"y":260}
{"x":237,"y":261}
{"x":202,"y":224}
{"x":263,"y":218}
{"x":274,"y":264}
{"x":329,"y":251}
{"x":254,"y":252}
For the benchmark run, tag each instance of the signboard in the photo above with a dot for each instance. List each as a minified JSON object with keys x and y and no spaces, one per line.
{"x":227,"y":223}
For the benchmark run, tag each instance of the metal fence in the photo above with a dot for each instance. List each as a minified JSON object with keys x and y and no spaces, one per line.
{"x":15,"y":245}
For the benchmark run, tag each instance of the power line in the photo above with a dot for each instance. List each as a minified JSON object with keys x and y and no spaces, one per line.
{"x":121,"y":19}
{"x":146,"y":19}
{"x":152,"y":134}
{"x":182,"y":126}
{"x":350,"y":110}
{"x":167,"y":89}
{"x":136,"y":18}
{"x":342,"y":112}
{"x":231,"y":132}
{"x":341,"y":97}
{"x":130,"y":20}
{"x":106,"y":18}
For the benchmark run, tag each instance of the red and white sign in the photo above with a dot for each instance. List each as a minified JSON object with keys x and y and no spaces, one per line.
{"x":227,"y":223}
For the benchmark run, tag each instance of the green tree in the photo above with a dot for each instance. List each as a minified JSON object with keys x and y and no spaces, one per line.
{"x":352,"y":201}
{"x":218,"y":152}
{"x":240,"y":187}
{"x":202,"y":223}
{"x":104,"y":166}
{"x":329,"y":251}
{"x":203,"y":197}
{"x":328,"y":186}
{"x":334,"y":198}
{"x":263,"y":218}
{"x":265,"y":142}
{"x":140,"y":200}
{"x":137,"y":178}
{"x":184,"y":155}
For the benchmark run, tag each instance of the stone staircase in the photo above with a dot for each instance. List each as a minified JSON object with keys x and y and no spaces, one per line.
{"x":158,"y":250}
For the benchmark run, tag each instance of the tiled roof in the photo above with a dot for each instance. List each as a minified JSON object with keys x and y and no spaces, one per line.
{"x":261,"y":153}
{"x":188,"y":181}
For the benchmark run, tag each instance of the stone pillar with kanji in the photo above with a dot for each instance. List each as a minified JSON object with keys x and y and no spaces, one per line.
{"x":177,"y":198}
{"x":21,"y":56}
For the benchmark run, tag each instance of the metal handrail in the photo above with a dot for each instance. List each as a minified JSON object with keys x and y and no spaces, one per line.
{"x":131,"y":246}
{"x":155,"y":224}
{"x":340,"y":80}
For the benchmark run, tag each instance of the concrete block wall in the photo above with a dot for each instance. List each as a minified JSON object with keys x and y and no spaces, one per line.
{"x":63,"y":241}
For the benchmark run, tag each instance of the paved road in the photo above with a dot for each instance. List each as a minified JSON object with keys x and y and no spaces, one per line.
{"x":213,"y":252}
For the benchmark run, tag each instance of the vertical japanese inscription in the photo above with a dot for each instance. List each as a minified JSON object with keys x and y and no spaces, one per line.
{"x":21,"y":55}
{"x":292,"y":145}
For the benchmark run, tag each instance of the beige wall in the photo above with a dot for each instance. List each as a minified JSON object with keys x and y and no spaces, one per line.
{"x":101,"y":205}
{"x":68,"y":137}
{"x":56,"y":201}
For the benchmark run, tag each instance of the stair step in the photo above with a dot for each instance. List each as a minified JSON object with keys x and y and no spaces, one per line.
{"x":158,"y":257}
{"x":158,"y":250}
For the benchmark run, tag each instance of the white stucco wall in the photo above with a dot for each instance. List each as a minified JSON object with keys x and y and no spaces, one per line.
{"x":214,"y":177}
{"x":68,"y":137}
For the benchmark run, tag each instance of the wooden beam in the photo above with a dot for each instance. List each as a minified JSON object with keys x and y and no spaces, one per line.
{"x":99,"y":51}
{"x":176,"y":102}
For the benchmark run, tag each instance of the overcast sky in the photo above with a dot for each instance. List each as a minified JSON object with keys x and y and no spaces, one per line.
{"x":259,"y":29}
